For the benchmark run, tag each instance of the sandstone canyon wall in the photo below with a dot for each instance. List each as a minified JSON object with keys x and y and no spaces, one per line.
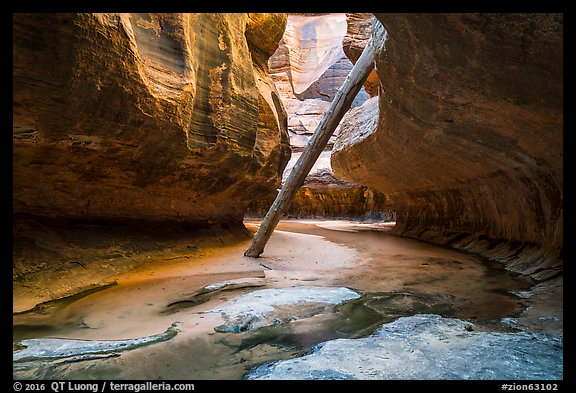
{"x":308,"y":68}
{"x":323,"y":195}
{"x":358,"y":32}
{"x":164,"y":117}
{"x":469,"y":137}
{"x":175,"y":117}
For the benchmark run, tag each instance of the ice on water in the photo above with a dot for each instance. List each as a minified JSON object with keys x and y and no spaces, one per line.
{"x":264,"y":307}
{"x":426,"y":346}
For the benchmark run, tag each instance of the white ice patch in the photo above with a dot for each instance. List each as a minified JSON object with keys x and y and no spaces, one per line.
{"x":427,"y":347}
{"x":56,"y":348}
{"x":522,"y":294}
{"x":237,"y":282}
{"x":263,"y":307}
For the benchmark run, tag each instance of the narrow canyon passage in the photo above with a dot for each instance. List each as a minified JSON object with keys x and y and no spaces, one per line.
{"x":425,"y":241}
{"x":393,"y":277}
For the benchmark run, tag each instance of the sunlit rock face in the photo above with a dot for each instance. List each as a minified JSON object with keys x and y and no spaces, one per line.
{"x":145,"y":116}
{"x":313,"y":43}
{"x":308,"y":68}
{"x":323,"y":195}
{"x":469,"y":140}
{"x":358,"y":33}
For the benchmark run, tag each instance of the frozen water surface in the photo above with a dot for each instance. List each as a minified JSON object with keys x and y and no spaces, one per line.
{"x":55,"y":348}
{"x":266,"y":307}
{"x":426,"y":346}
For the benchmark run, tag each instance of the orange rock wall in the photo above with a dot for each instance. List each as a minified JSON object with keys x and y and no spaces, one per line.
{"x":145,"y":116}
{"x":469,"y":138}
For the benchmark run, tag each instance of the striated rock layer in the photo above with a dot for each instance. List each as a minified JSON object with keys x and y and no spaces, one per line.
{"x":323,"y":195}
{"x":468,"y":142}
{"x":308,"y":68}
{"x":161,"y":117}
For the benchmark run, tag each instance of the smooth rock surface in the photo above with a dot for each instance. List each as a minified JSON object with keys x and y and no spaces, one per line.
{"x":308,"y":68}
{"x":322,"y":194}
{"x":469,"y":140}
{"x":314,"y":43}
{"x":357,"y":35}
{"x":161,"y":117}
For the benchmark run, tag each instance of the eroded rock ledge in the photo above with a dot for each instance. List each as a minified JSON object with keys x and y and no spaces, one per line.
{"x":323,"y":195}
{"x":469,"y":142}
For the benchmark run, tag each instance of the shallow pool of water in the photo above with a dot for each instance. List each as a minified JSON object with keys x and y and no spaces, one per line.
{"x":392,"y":277}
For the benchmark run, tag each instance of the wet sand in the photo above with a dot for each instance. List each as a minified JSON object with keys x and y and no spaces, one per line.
{"x":299,"y":253}
{"x":479,"y":289}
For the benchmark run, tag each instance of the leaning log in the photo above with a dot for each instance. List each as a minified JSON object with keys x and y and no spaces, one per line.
{"x":339,"y":106}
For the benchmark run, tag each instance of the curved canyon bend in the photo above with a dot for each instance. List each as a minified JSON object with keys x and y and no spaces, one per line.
{"x":423,"y":278}
{"x":425,"y":242}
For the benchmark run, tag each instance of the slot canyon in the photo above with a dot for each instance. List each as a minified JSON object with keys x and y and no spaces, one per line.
{"x":426,"y":242}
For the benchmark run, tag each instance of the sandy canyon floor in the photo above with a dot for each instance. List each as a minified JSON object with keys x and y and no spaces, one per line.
{"x":202,"y":308}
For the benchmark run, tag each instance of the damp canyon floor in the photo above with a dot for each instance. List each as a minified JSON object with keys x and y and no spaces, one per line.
{"x":214,"y":314}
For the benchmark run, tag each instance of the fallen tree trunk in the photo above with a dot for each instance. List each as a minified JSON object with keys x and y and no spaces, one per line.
{"x":339,"y":106}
